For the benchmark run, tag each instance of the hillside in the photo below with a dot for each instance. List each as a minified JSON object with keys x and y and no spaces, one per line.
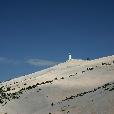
{"x":72,"y":87}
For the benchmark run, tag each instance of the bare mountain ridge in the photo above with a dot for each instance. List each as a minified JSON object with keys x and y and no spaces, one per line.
{"x":71,"y":87}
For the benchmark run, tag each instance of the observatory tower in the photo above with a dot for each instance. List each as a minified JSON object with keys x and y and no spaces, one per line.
{"x":69,"y":56}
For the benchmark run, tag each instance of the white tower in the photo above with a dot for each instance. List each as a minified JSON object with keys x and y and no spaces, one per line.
{"x":70,"y":57}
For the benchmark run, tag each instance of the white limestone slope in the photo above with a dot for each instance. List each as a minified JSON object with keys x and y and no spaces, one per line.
{"x":72,"y":87}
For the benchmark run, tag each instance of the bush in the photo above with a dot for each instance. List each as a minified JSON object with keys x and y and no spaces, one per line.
{"x":62,"y":78}
{"x":8,"y":88}
{"x":55,"y":78}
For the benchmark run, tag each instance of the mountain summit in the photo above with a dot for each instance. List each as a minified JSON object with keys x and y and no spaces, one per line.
{"x":72,"y":87}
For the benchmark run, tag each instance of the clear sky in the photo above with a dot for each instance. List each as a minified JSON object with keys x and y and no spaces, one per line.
{"x":35,"y":34}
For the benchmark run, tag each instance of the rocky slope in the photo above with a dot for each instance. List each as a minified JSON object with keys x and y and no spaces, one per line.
{"x":72,"y":87}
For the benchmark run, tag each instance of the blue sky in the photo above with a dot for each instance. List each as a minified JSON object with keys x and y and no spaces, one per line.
{"x":35,"y":34}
